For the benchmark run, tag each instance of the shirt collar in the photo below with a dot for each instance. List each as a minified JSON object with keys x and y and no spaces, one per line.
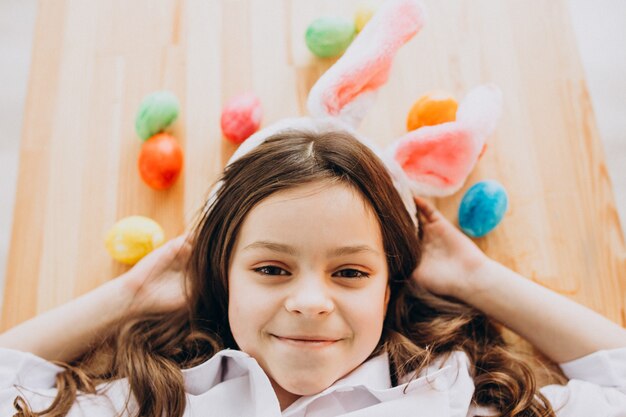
{"x":223,"y":366}
{"x":229,"y":363}
{"x":372,"y":376}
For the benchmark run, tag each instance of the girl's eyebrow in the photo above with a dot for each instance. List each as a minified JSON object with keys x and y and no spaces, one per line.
{"x":290,"y":250}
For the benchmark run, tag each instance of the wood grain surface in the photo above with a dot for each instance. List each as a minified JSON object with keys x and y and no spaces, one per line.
{"x":93,"y":62}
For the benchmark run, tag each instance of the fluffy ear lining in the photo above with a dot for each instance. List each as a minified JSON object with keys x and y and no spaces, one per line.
{"x":438,"y":159}
{"x":346,"y":90}
{"x":439,"y":155}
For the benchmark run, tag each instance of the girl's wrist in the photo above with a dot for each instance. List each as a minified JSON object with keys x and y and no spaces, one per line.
{"x":475,"y":281}
{"x":123,"y":291}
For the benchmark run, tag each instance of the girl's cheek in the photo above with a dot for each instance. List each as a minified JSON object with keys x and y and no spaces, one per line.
{"x":248,"y":296}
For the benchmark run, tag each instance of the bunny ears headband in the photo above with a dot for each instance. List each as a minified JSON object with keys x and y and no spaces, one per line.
{"x":429,"y":161}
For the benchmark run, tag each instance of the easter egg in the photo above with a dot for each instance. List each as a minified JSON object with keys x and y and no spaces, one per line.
{"x":241,"y":117}
{"x":329,"y":36}
{"x":156,"y":112}
{"x":132,"y":238}
{"x":482,"y":208}
{"x":160,"y":161}
{"x":362,"y":15}
{"x":432,"y":109}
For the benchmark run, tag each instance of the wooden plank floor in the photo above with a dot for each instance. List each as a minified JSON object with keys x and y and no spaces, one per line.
{"x":94,"y":61}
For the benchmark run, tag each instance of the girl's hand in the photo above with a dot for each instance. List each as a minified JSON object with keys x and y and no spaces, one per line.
{"x":449,"y":257}
{"x":156,"y":284}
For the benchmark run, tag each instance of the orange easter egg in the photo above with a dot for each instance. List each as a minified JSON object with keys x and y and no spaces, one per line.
{"x":160,"y":161}
{"x":432,"y":109}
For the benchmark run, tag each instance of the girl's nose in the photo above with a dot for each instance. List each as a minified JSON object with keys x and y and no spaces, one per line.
{"x":310,"y":296}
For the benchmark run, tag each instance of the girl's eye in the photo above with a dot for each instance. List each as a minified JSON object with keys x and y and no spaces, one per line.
{"x":354,"y":273}
{"x":344,"y":273}
{"x":270,"y":270}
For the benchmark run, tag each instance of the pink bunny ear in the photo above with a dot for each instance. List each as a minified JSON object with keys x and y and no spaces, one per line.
{"x":438,"y":159}
{"x":347,"y":89}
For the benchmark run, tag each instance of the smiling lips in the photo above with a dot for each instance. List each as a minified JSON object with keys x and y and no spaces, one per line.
{"x":307,"y":341}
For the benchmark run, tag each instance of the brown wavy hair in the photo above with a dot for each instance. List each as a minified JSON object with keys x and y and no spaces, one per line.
{"x":419,"y":327}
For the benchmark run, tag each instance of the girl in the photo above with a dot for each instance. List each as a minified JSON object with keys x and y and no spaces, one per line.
{"x":307,"y":289}
{"x":313,"y":285}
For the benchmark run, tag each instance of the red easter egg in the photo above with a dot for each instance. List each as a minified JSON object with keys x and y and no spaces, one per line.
{"x":160,"y":161}
{"x":241,"y":117}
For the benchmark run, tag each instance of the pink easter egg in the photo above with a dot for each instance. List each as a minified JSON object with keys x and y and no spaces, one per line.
{"x":241,"y":117}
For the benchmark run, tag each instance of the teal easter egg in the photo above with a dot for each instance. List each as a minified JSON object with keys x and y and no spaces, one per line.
{"x":156,"y":112}
{"x":329,"y":36}
{"x":482,"y":208}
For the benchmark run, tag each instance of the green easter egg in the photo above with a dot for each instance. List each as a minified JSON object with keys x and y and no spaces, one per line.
{"x":329,"y":36}
{"x":156,"y":112}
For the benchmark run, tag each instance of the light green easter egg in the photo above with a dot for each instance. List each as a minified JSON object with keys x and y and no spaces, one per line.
{"x":156,"y":112}
{"x":329,"y":36}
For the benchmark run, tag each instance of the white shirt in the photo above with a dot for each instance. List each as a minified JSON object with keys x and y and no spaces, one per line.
{"x":232,"y":383}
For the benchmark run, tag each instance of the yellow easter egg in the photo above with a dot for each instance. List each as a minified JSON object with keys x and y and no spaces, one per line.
{"x":132,"y":238}
{"x":363,"y":15}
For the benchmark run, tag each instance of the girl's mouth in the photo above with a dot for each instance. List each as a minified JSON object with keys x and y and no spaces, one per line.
{"x":307,"y":341}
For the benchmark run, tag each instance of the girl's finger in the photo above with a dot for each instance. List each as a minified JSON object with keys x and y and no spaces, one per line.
{"x":180,"y":241}
{"x":177,"y":248}
{"x":428,"y":210}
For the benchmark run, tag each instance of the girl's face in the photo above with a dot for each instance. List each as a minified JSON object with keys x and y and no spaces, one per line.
{"x":308,"y":287}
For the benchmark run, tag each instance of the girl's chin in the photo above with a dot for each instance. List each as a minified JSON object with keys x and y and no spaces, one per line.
{"x":304,"y":386}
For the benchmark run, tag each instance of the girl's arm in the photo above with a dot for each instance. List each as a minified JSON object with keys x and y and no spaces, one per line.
{"x":561,"y":328}
{"x":452,"y":265}
{"x":64,"y":333}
